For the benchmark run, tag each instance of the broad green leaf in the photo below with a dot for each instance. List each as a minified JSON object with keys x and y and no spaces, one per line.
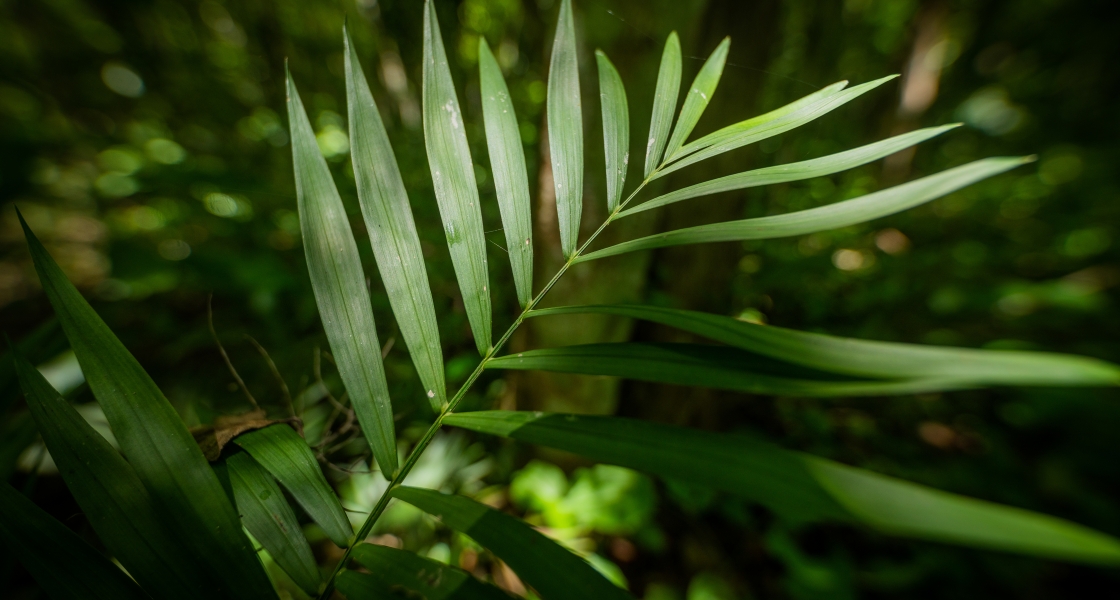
{"x":565,"y":129}
{"x":507,"y":161}
{"x":270,"y":519}
{"x":709,"y":366}
{"x":340,"y":287}
{"x":799,"y":486}
{"x":280,"y":450}
{"x":62,"y":563}
{"x":834,"y":216}
{"x":392,"y":231}
{"x":449,"y":158}
{"x":698,"y":96}
{"x":402,"y":574}
{"x":865,"y":358}
{"x":154,"y":440}
{"x":741,"y":134}
{"x":552,"y":570}
{"x":817,"y":167}
{"x":616,"y":128}
{"x":114,"y":500}
{"x":664,"y":102}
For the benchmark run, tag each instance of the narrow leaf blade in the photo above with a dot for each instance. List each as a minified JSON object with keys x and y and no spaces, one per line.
{"x":698,"y":96}
{"x":392,"y":231}
{"x":616,"y":128}
{"x":507,"y":161}
{"x":340,"y":287}
{"x":453,"y":176}
{"x":664,"y":102}
{"x":411,"y":575}
{"x":565,"y":129}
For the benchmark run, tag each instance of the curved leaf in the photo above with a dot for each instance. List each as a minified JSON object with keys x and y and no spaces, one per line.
{"x":616,"y":128}
{"x":801,"y":487}
{"x":392,"y":231}
{"x":507,"y":161}
{"x":402,"y":574}
{"x":449,"y":158}
{"x":834,"y":216}
{"x":698,"y":96}
{"x":565,"y":129}
{"x":664,"y":102}
{"x":340,"y":287}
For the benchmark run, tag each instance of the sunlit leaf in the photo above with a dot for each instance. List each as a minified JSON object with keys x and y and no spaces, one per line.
{"x":834,"y":216}
{"x":553,"y":571}
{"x":616,"y":128}
{"x":801,"y":487}
{"x":664,"y":102}
{"x":401,"y":574}
{"x":698,"y":96}
{"x":340,"y":288}
{"x":565,"y":129}
{"x":392,"y":231}
{"x":507,"y":161}
{"x":453,"y":176}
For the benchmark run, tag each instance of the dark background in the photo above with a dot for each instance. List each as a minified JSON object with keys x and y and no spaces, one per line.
{"x":145,"y":142}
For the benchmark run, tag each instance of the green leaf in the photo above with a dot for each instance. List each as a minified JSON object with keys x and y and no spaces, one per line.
{"x":834,"y":216}
{"x":340,"y":287}
{"x":817,"y":167}
{"x":392,"y":231}
{"x":114,"y":500}
{"x":746,"y":132}
{"x":401,"y":574}
{"x":801,"y":487}
{"x":43,"y":343}
{"x":616,"y":128}
{"x":62,"y":563}
{"x":453,"y":176}
{"x":507,"y":161}
{"x":267,"y":516}
{"x":664,"y":102}
{"x":552,"y":570}
{"x":864,"y":358}
{"x":15,"y":436}
{"x":708,"y":366}
{"x":565,"y":129}
{"x":280,"y":450}
{"x":698,"y":96}
{"x":154,"y":440}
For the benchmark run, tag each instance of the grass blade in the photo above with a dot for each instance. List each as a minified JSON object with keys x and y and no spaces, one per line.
{"x":114,"y":500}
{"x":664,"y":102}
{"x":698,"y":96}
{"x":817,"y":167}
{"x":507,"y":161}
{"x":411,"y":576}
{"x":553,"y":571}
{"x":834,"y":216}
{"x":565,"y":129}
{"x":453,"y":176}
{"x":267,"y":516}
{"x":864,"y":358}
{"x":710,"y":366}
{"x":154,"y":440}
{"x":340,"y":287}
{"x":280,"y":450}
{"x":616,"y":128}
{"x":392,"y":231}
{"x":62,"y":563}
{"x":801,"y":487}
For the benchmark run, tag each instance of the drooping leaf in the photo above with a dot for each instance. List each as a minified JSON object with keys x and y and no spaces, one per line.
{"x":817,"y":167}
{"x":392,"y":231}
{"x":565,"y":129}
{"x":401,"y":574}
{"x":664,"y":102}
{"x":865,"y":358}
{"x":62,"y":563}
{"x":280,"y":450}
{"x":154,"y":440}
{"x":709,"y":366}
{"x":507,"y":161}
{"x":340,"y":287}
{"x":698,"y":96}
{"x":616,"y":128}
{"x":553,"y":571}
{"x":801,"y":487}
{"x":453,"y":176}
{"x":834,"y":216}
{"x":741,"y":134}
{"x":267,"y":516}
